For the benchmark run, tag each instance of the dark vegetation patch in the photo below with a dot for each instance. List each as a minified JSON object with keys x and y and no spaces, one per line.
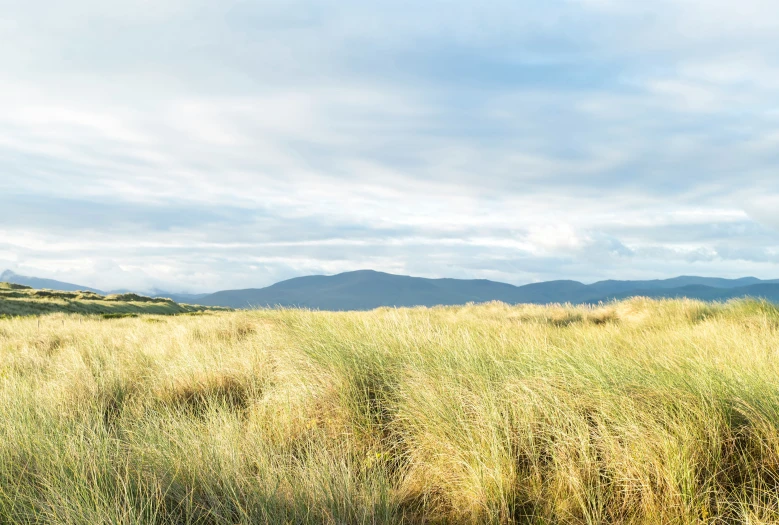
{"x":8,"y":293}
{"x":702,"y":312}
{"x":118,"y":316}
{"x":49,"y":343}
{"x":236,"y":331}
{"x":112,"y":399}
{"x":195,"y":396}
{"x":603,"y":317}
{"x":135,"y":298}
{"x":564,"y":317}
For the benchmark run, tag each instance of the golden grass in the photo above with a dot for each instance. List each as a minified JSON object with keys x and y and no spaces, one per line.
{"x":638,"y":412}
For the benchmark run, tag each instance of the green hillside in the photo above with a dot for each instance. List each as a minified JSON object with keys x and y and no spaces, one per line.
{"x":19,"y":300}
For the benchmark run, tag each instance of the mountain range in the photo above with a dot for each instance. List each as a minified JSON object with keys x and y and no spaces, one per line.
{"x":367,"y":289}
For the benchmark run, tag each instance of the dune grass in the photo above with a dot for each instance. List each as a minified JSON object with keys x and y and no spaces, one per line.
{"x":18,"y":300}
{"x":635,"y":412}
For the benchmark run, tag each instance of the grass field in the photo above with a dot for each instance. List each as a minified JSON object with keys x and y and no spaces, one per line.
{"x":635,"y":412}
{"x":18,"y":300}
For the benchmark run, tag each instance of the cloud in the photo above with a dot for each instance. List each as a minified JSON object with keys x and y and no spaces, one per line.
{"x":200,"y":145}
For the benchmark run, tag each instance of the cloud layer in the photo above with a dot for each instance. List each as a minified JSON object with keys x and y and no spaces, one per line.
{"x":206,"y":145}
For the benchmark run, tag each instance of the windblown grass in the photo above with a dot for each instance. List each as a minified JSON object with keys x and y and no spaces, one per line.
{"x":635,"y":412}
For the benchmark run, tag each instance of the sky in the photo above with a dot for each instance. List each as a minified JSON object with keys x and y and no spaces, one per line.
{"x":197,"y":146}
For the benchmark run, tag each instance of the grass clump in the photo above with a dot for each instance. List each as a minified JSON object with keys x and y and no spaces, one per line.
{"x":637,"y":412}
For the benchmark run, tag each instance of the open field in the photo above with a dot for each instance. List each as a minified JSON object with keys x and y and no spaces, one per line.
{"x":635,"y":412}
{"x":17,"y":300}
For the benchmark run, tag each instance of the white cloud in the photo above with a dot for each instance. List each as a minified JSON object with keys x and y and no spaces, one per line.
{"x":212,"y":145}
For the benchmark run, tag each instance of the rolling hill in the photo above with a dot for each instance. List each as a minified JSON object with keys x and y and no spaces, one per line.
{"x":19,"y":300}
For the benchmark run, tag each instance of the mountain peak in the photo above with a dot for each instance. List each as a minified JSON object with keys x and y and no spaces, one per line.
{"x":39,"y":283}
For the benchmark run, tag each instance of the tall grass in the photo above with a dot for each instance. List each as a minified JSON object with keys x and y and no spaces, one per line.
{"x":634,"y":412}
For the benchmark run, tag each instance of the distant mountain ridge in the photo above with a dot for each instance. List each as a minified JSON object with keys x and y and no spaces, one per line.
{"x":368,"y":289}
{"x":47,"y":284}
{"x":50,"y":284}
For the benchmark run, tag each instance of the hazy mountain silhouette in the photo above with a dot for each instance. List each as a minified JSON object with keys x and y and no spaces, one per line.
{"x":186,"y":298}
{"x":615,"y":287}
{"x":50,"y":284}
{"x":368,"y":289}
{"x":764,"y":290}
{"x":362,"y":290}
